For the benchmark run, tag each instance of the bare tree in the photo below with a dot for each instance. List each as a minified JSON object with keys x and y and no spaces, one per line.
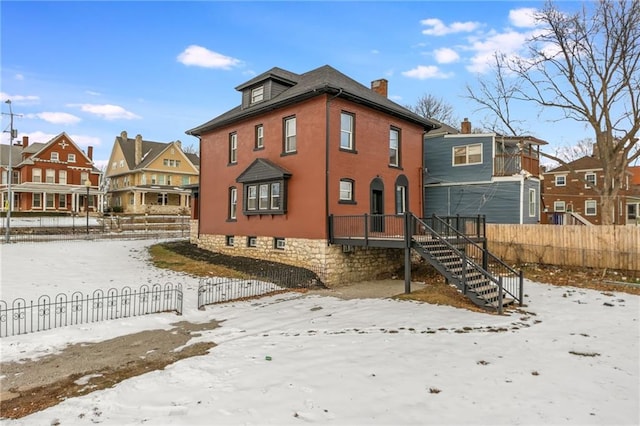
{"x":581,"y":149}
{"x":429,"y":106}
{"x":585,"y":65}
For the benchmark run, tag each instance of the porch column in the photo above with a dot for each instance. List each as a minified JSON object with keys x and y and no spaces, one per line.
{"x":44,"y":201}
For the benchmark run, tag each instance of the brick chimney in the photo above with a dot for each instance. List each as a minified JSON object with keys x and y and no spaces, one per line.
{"x":465,"y":127}
{"x":90,"y":153}
{"x":179,"y":143}
{"x":25,"y":142}
{"x":138,"y":150}
{"x":380,"y":86}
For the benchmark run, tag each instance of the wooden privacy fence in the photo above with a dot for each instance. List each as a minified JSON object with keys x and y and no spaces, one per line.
{"x":610,"y":246}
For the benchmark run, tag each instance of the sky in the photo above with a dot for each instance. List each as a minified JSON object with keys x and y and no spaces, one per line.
{"x":160,"y":68}
{"x":339,"y":362}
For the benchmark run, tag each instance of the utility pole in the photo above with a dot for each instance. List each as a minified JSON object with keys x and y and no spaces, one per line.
{"x":12,"y":135}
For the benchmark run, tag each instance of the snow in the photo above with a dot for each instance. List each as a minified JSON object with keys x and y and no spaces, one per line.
{"x":299,"y":358}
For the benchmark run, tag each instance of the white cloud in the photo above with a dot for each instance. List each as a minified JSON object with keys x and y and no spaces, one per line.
{"x":19,"y":98}
{"x":508,"y":43}
{"x":446,"y":55}
{"x":423,"y":72}
{"x":19,"y":77}
{"x":82,"y":141}
{"x":375,"y":51}
{"x":92,"y":93}
{"x":438,"y":28}
{"x":56,"y":117}
{"x":202,"y":57}
{"x":524,"y":17}
{"x":107,"y":111}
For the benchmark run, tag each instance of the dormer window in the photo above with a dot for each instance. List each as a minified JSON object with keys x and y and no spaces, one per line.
{"x":257,"y":94}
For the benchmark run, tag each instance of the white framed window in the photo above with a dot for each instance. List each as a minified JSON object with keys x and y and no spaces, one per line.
{"x":252,"y":197}
{"x":279,"y":243}
{"x":346,"y":190}
{"x":467,"y":155}
{"x":62,"y":177}
{"x":275,"y":196}
{"x":394,"y":147}
{"x":252,"y":242}
{"x":590,"y":208}
{"x":49,"y":201}
{"x":154,"y":179}
{"x":591,"y":180}
{"x":36,"y":175}
{"x":229,"y":240}
{"x":561,"y":180}
{"x":55,"y":156}
{"x":62,"y":201}
{"x":257,"y":94}
{"x":50,"y":177}
{"x":114,"y":165}
{"x":401,"y":199}
{"x":161,"y":179}
{"x":162,"y":199}
{"x":186,"y":180}
{"x":84,"y":176}
{"x":290,"y":143}
{"x":143,"y":179}
{"x":532,"y":202}
{"x":263,"y":203}
{"x":559,"y":206}
{"x":233,"y":148}
{"x":71,"y":158}
{"x":121,"y":163}
{"x":259,"y":137}
{"x":233,"y":202}
{"x":36,"y":201}
{"x":347,"y":131}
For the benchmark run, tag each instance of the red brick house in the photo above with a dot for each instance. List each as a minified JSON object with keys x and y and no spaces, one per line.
{"x":51,"y":177}
{"x":569,"y":198}
{"x":299,"y":148}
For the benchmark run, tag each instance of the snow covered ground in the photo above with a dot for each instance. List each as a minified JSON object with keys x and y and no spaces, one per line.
{"x":295,"y":358}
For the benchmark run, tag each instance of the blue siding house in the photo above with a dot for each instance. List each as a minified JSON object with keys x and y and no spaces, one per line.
{"x":471,"y":174}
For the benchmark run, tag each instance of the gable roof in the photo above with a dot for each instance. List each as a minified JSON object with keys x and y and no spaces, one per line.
{"x":322,"y":80}
{"x":261,"y":170}
{"x":150,"y":152}
{"x":584,"y":163}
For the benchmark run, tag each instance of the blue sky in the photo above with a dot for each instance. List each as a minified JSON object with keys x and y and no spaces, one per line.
{"x":93,"y":69}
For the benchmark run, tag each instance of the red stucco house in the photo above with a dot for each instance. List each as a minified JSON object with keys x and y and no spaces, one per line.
{"x":297,"y":149}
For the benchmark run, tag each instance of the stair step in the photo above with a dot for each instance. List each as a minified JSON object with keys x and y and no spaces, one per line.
{"x":505,"y":302}
{"x":484,"y":289}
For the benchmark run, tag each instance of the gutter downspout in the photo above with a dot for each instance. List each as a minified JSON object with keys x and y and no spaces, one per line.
{"x":326,"y":164}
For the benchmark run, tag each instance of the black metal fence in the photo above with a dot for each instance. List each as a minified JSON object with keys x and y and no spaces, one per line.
{"x":21,"y":317}
{"x":219,"y":289}
{"x":120,"y":226}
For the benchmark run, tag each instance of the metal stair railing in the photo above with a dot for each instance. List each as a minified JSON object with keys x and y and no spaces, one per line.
{"x":419,"y":229}
{"x":513,"y":280}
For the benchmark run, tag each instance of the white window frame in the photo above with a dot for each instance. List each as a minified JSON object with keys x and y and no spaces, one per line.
{"x":532,"y":202}
{"x":71,"y":158}
{"x":394,"y":147}
{"x":62,"y":201}
{"x":559,"y":206}
{"x":252,"y":197}
{"x":233,"y":148}
{"x":469,"y":157}
{"x":274,"y":196}
{"x":257,"y":94}
{"x":561,"y":180}
{"x":259,"y":137}
{"x":233,"y":203}
{"x":590,"y":184}
{"x":55,"y":156}
{"x":347,"y":131}
{"x":346,"y":190}
{"x":279,"y":243}
{"x":590,"y":205}
{"x":84,"y":176}
{"x":290,"y":133}
{"x":50,"y":176}
{"x":263,"y":196}
{"x":36,"y":196}
{"x":252,"y":241}
{"x":401,"y":199}
{"x":36,"y":175}
{"x":50,"y":201}
{"x":62,"y":177}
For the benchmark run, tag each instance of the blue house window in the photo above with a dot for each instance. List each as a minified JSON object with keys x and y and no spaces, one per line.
{"x":467,"y":154}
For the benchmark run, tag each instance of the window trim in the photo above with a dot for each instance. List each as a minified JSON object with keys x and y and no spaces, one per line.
{"x":71,"y":158}
{"x":259,"y":138}
{"x":256,"y":95}
{"x":232,"y":214}
{"x":267,"y":207}
{"x":586,"y":207}
{"x":56,"y":155}
{"x":351,"y":132}
{"x":229,"y":240}
{"x":532,"y":202}
{"x":467,"y":155}
{"x":252,"y":241}
{"x":351,"y":199}
{"x":564,"y":180}
{"x":33,"y":200}
{"x":398,"y":163}
{"x":586,"y":178}
{"x":286,"y":147}
{"x":39,"y":174}
{"x":558,"y":203}
{"x":279,"y":241}
{"x":401,"y":199}
{"x":233,"y":148}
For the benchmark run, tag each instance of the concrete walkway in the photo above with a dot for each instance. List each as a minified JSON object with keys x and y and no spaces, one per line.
{"x":368,"y":289}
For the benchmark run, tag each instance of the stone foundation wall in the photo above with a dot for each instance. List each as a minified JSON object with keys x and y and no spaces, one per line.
{"x":329,"y":261}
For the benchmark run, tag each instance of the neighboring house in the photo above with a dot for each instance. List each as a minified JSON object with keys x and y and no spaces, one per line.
{"x":633,"y":197}
{"x":150,"y":177}
{"x":50,"y":177}
{"x":569,"y":197}
{"x":471,"y":174}
{"x":297,"y":149}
